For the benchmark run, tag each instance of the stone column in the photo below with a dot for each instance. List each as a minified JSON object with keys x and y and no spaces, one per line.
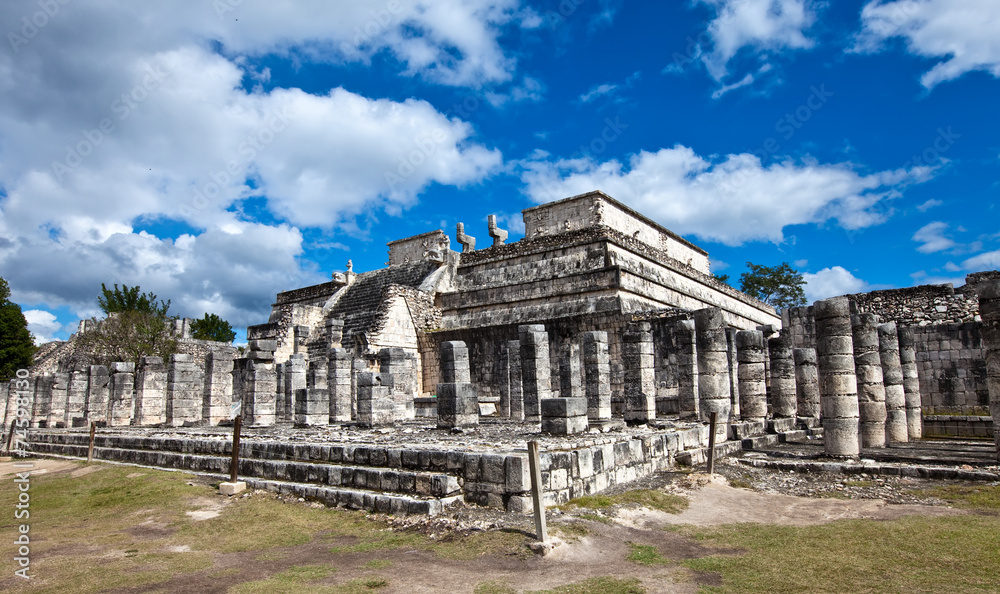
{"x":400,"y":364}
{"x":151,"y":392}
{"x":838,"y":386}
{"x":734,"y":384}
{"x":911,"y":383}
{"x":892,"y":379}
{"x":98,"y":389}
{"x":713,"y":367}
{"x":564,"y":416}
{"x":185,"y":385}
{"x":640,"y":381}
{"x":597,"y":375}
{"x":260,"y":386}
{"x":457,"y":401}
{"x":750,"y":374}
{"x":871,"y":390}
{"x":42,"y":401}
{"x":570,"y":372}
{"x":375,"y":404}
{"x":806,"y":383}
{"x":295,"y":379}
{"x":338,"y":379}
{"x":60,"y":394}
{"x":334,"y":333}
{"x":989,"y":311}
{"x":122,"y":386}
{"x":312,"y":407}
{"x":76,"y":398}
{"x":218,"y":402}
{"x":511,"y":397}
{"x":687,"y":369}
{"x":536,"y":374}
{"x":783,"y":395}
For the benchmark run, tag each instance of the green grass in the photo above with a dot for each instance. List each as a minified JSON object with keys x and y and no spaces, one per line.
{"x":377,"y":564}
{"x":912,"y":554}
{"x":645,"y":555}
{"x":658,"y":500}
{"x":492,"y":587}
{"x":738,"y":483}
{"x":979,"y":497}
{"x":570,"y":531}
{"x":290,"y":581}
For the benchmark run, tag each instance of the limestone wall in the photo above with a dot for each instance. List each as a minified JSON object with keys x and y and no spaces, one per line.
{"x":595,"y":209}
{"x":951,"y":363}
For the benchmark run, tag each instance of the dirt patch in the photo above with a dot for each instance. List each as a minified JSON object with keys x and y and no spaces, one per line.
{"x":714,"y":502}
{"x":43,"y":466}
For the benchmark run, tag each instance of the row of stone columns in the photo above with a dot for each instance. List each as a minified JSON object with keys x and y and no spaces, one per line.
{"x":869,"y":393}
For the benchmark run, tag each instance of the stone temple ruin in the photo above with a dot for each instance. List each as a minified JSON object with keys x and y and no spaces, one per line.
{"x":601,"y":334}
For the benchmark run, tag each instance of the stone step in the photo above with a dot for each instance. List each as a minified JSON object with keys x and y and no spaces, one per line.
{"x":700,"y":455}
{"x":781,"y":425}
{"x":761,"y":441}
{"x":800,"y":435}
{"x":423,"y":484}
{"x":929,"y":472}
{"x":359,"y":499}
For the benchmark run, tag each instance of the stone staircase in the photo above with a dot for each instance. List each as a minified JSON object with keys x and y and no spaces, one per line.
{"x":356,"y":477}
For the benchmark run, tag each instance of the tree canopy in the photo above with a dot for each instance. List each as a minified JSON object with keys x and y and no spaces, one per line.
{"x":17,"y":345}
{"x":130,"y":299}
{"x":136,"y":326}
{"x":779,"y":286}
{"x":212,"y":327}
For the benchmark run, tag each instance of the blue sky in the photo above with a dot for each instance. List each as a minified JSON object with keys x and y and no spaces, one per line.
{"x":216,"y":153}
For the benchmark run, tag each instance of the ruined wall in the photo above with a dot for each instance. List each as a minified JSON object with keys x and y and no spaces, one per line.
{"x":951,"y":362}
{"x":920,"y":306}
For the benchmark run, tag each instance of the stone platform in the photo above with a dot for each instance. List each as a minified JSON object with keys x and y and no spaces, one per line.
{"x":410,"y":468}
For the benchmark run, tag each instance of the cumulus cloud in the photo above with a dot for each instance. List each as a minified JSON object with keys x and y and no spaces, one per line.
{"x":731,"y":200}
{"x":831,"y":282}
{"x":42,"y":325}
{"x":984,"y":261}
{"x":759,"y":25}
{"x":126,"y":115}
{"x":961,"y":33}
{"x":933,"y":238}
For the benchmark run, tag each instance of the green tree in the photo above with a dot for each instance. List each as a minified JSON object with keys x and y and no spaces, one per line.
{"x":779,"y":286}
{"x":136,"y":326}
{"x":722,"y":278}
{"x":212,"y":327}
{"x":130,"y":299}
{"x":17,"y":345}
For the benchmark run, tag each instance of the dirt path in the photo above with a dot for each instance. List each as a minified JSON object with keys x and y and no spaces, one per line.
{"x":713,"y":502}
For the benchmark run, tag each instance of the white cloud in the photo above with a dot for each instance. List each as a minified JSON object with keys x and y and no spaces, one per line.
{"x":831,"y":282}
{"x":597,"y":91}
{"x":984,"y":261}
{"x":42,"y":325}
{"x":962,"y":33}
{"x":730,"y":200}
{"x":933,"y":238}
{"x":929,"y":205}
{"x":759,"y":25}
{"x":117,"y":114}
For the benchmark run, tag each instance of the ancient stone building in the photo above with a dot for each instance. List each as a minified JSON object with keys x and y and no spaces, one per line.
{"x":587,"y":263}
